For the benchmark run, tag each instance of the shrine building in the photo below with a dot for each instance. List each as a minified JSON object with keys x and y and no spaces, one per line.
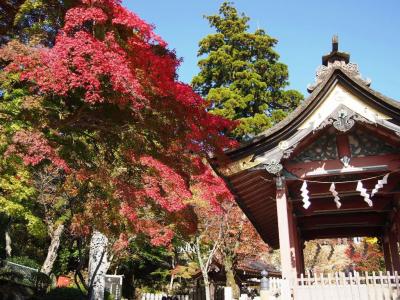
{"x":330,"y":169}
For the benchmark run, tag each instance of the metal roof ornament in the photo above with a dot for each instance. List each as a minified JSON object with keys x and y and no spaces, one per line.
{"x":345,"y":161}
{"x":273,"y":166}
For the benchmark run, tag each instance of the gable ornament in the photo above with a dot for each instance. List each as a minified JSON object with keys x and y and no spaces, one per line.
{"x":343,"y":119}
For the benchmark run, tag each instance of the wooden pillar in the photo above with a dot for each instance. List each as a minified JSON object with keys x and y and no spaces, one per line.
{"x":286,"y":238}
{"x":386,"y":252}
{"x":394,"y":250}
{"x":300,"y":258}
{"x":343,"y":146}
{"x":295,"y":241}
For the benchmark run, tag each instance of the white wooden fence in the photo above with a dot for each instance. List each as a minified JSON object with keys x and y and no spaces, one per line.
{"x":151,"y":296}
{"x":353,"y":286}
{"x":337,"y":286}
{"x":277,"y":287}
{"x":356,"y":286}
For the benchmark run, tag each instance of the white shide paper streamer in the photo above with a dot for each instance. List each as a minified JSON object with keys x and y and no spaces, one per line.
{"x":363,"y":192}
{"x":304,"y":194}
{"x":379,"y":185}
{"x":335,"y":194}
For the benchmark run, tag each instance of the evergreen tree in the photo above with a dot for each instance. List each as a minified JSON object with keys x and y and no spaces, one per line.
{"x":241,"y":76}
{"x":32,"y":21}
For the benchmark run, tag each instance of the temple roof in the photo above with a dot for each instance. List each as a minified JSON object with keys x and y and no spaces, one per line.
{"x":337,"y":72}
{"x":341,"y":102}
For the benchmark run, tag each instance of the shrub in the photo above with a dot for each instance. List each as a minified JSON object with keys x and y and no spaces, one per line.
{"x":25,"y":261}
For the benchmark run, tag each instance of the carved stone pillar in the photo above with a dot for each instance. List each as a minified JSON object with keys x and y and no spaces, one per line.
{"x":98,"y":265}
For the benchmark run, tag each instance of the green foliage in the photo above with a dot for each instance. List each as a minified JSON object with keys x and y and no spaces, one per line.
{"x":241,"y":76}
{"x":24,"y":244}
{"x":17,"y":195}
{"x":150,"y":266}
{"x":108,"y":296}
{"x":34,"y":21}
{"x":67,"y":258}
{"x":25,"y":261}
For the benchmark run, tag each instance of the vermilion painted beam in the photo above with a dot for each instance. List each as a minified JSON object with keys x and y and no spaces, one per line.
{"x":355,"y":217}
{"x":343,"y":146}
{"x":303,"y":170}
{"x":329,"y":221}
{"x":342,"y":232}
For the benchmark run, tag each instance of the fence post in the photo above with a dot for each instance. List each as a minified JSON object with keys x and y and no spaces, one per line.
{"x":228,"y":293}
{"x":264,"y":287}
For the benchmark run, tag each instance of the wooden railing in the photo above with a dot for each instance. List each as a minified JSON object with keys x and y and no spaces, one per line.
{"x":354,"y":278}
{"x":159,"y":296}
{"x":336,"y":286}
{"x":354,"y":286}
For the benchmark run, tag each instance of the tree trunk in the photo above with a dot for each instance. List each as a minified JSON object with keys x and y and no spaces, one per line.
{"x":171,"y":281}
{"x":213,"y":291}
{"x":230,"y":277}
{"x":8,"y":239}
{"x":207,"y":288}
{"x":47,"y":266}
{"x":98,"y":265}
{"x":171,"y":284}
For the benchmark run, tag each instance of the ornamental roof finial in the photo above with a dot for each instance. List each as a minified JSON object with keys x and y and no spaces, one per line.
{"x":335,"y":54}
{"x":335,"y":43}
{"x":336,"y":59}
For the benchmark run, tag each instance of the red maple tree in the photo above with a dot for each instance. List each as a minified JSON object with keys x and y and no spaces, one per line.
{"x":111,"y":112}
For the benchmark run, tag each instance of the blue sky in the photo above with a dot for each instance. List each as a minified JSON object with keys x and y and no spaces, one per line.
{"x":369,"y":30}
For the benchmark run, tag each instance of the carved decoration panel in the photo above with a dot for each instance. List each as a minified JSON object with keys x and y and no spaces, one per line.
{"x":323,"y":148}
{"x":343,"y":119}
{"x":365,"y":144}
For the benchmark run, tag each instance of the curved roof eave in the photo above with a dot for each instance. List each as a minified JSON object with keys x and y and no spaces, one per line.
{"x":272,"y":136}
